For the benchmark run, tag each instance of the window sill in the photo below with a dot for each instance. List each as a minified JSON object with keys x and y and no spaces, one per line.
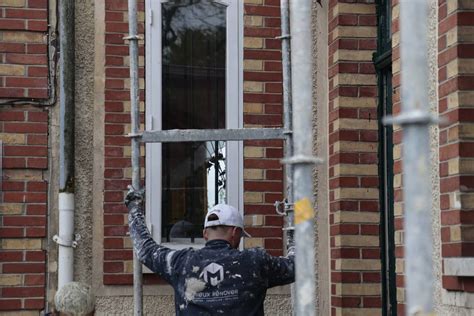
{"x":459,"y":266}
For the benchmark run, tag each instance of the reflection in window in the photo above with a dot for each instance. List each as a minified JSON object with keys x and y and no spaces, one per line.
{"x":194,"y":90}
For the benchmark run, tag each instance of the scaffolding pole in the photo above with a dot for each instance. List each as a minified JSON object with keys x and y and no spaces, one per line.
{"x":287,"y":125}
{"x":301,"y":73}
{"x":135,"y":125}
{"x":415,"y":119}
{"x":287,"y":111}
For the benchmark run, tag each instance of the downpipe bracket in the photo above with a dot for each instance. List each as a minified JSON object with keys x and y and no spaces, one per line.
{"x":302,"y":160}
{"x":414,"y":117}
{"x":282,"y":208}
{"x":67,"y":243}
{"x":132,"y":38}
{"x":134,"y":135}
{"x":283,"y":36}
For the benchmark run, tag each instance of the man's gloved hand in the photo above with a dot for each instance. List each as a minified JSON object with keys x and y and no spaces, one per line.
{"x":135,"y":196}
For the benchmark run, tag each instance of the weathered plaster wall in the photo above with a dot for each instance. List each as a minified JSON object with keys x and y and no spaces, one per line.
{"x":434,"y":132}
{"x":164,"y":305}
{"x":84,"y":136}
{"x":320,"y":133}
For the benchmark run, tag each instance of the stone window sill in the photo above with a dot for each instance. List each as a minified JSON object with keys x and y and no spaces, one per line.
{"x":459,"y":267}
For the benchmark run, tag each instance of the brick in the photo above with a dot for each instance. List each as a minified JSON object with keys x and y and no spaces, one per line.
{"x":355,"y":147}
{"x":21,"y":243}
{"x":354,"y":79}
{"x":354,"y":31}
{"x":253,"y":86}
{"x":346,"y":169}
{"x":355,"y":102}
{"x":26,"y":82}
{"x":10,"y":304}
{"x":356,"y":193}
{"x":356,"y":217}
{"x":25,"y":151}
{"x":128,"y":266}
{"x":117,"y":279}
{"x":35,"y":256}
{"x":23,"y":292}
{"x":25,"y":127}
{"x":24,"y":268}
{"x":467,"y":201}
{"x":253,"y":108}
{"x":253,"y":152}
{"x":12,"y":70}
{"x":253,"y":242}
{"x":34,"y":304}
{"x":455,"y":233}
{"x":37,"y":26}
{"x":353,"y":8}
{"x":358,"y":264}
{"x":253,"y":20}
{"x":352,"y":55}
{"x":8,"y":138}
{"x":355,"y":124}
{"x":12,"y":93}
{"x":253,"y":42}
{"x":357,"y":289}
{"x":356,"y":241}
{"x":24,"y":220}
{"x":12,"y":3}
{"x":253,"y":174}
{"x":253,"y":197}
{"x":23,"y":37}
{"x":11,"y":208}
{"x":10,"y":280}
{"x":253,"y":65}
{"x":253,"y":220}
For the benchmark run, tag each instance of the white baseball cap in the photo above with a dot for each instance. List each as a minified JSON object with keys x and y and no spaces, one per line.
{"x":227,"y":216}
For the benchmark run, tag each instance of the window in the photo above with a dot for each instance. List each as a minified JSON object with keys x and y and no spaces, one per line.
{"x":383,"y":65}
{"x":193,"y":62}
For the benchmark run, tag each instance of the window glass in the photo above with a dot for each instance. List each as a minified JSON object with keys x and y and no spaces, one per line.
{"x":193,"y":97}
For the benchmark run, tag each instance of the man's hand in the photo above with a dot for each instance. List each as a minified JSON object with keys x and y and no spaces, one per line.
{"x":135,"y":196}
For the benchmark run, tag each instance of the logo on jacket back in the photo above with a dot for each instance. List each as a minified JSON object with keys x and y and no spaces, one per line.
{"x":213,"y":274}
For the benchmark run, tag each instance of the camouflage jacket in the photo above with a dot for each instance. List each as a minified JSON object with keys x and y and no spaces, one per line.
{"x":214,"y":280}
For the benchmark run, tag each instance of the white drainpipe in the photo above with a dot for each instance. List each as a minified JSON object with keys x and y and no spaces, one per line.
{"x":65,"y":239}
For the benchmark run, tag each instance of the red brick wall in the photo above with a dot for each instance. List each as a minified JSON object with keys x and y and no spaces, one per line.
{"x":117,"y":248}
{"x":23,"y":207}
{"x":353,"y":170}
{"x":263,"y":171}
{"x":455,"y":60}
{"x":24,"y":133}
{"x":23,"y":49}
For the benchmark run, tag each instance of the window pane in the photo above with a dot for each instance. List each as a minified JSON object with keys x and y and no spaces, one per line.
{"x":193,"y":97}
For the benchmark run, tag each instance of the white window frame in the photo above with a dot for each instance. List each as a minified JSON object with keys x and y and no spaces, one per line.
{"x":234,"y":111}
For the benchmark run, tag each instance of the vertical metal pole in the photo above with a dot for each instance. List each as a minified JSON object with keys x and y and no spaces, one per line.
{"x":301,"y":73}
{"x":135,"y":124}
{"x":287,"y":110}
{"x":415,"y":119}
{"x":287,"y":124}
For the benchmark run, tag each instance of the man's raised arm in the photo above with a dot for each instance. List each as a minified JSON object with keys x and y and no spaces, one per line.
{"x":157,"y":258}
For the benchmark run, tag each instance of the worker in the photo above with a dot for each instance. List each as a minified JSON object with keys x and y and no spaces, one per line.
{"x":219,"y":278}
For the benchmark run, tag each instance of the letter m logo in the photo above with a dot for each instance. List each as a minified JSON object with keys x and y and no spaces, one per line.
{"x":213,"y":274}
